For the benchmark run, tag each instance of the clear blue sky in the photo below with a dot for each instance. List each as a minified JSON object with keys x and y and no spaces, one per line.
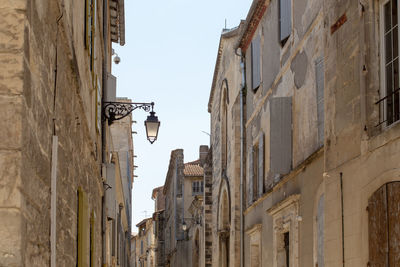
{"x":169,"y":58}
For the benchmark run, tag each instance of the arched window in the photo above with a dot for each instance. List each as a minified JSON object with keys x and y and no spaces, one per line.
{"x":224,"y":124}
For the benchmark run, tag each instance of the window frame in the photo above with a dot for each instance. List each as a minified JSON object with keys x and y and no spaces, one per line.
{"x":382,"y":50}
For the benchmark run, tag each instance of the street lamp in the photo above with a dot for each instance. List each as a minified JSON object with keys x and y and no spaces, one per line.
{"x":114,"y":111}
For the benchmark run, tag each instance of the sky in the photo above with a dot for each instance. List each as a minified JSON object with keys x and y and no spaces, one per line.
{"x":169,"y":58}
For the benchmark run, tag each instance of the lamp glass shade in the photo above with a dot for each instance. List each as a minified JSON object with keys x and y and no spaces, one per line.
{"x":152,"y":125}
{"x":184,"y":226}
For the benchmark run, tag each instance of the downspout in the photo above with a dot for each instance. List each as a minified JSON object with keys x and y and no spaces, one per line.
{"x":103,"y":129}
{"x":341,"y":199}
{"x":242,"y":140}
{"x":54,"y":159}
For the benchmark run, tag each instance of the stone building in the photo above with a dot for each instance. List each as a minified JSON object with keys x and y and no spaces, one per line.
{"x":158,"y":218}
{"x":222,"y":171}
{"x":311,"y":130}
{"x":54,"y":145}
{"x":183,"y":217}
{"x":145,"y":244}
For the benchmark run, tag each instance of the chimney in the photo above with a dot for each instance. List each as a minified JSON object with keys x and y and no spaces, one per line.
{"x":203,"y":151}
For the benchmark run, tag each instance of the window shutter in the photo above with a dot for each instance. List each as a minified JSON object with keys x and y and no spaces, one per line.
{"x":320,"y":231}
{"x":261,"y":165}
{"x":285,"y":19}
{"x":83,"y":221}
{"x":319,"y":77}
{"x":98,"y":105}
{"x":377,"y":228}
{"x":255,"y":63}
{"x":280,"y":135}
{"x":250,"y":178}
{"x":110,"y":192}
{"x":110,"y":94}
{"x":393,"y":191}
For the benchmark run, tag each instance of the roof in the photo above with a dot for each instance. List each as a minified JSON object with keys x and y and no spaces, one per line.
{"x":226,"y":33}
{"x":156,"y":190}
{"x":256,"y":12}
{"x":193,"y":169}
{"x":117,"y":21}
{"x":143,"y":221}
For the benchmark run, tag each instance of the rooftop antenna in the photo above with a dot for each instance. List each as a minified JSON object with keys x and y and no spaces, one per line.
{"x":145,"y":213}
{"x":225,"y":24}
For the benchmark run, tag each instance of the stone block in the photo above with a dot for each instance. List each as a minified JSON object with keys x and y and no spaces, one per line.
{"x":11,"y":239}
{"x":11,"y":130}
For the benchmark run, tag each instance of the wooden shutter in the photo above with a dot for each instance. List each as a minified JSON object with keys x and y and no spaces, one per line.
{"x":83,"y":221}
{"x":377,"y":228}
{"x":250,"y":178}
{"x":393,"y":193}
{"x":285,"y":19}
{"x":319,"y":77}
{"x":255,"y":63}
{"x":261,"y":165}
{"x":280,"y":135}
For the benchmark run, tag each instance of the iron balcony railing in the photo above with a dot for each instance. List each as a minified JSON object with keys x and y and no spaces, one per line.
{"x":389,"y":108}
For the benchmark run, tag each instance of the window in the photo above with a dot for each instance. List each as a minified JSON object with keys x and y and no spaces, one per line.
{"x":83,"y":229}
{"x":389,"y":106}
{"x":285,"y":20}
{"x":254,"y":234}
{"x":256,"y":169}
{"x":384,"y":225}
{"x":197,"y":187}
{"x":286,"y":234}
{"x":255,"y":63}
{"x":141,"y":247}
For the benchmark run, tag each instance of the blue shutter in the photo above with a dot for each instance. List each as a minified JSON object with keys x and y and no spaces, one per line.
{"x":285,"y":19}
{"x":280,"y":135}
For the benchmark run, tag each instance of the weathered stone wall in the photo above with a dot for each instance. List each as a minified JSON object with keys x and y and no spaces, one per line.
{"x":226,"y":163}
{"x":39,"y":102}
{"x":364,"y":156}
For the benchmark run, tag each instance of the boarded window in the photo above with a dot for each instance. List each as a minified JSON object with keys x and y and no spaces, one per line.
{"x":83,"y":229}
{"x":280,"y":135}
{"x":384,"y":226}
{"x":285,"y":20}
{"x":319,"y":78}
{"x":255,"y":63}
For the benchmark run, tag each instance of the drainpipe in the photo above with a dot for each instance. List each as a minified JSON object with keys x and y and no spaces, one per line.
{"x":54,"y":159}
{"x":242,"y":140}
{"x":103,"y":129}
{"x":341,"y":199}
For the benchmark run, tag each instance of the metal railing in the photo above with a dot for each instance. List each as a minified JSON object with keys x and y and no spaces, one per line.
{"x":389,"y":108}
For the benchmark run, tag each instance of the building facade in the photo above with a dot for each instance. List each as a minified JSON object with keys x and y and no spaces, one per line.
{"x":304,"y":137}
{"x":55,"y":146}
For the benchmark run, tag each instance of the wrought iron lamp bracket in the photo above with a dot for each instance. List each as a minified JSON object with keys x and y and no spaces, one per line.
{"x":113,"y":111}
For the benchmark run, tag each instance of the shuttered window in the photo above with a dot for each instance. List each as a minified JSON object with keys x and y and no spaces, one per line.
{"x":384,"y":226}
{"x":83,"y":229}
{"x":255,"y":63}
{"x":250,"y":178}
{"x":261,"y":165}
{"x":280,"y":135}
{"x":285,"y":20}
{"x":255,"y":172}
